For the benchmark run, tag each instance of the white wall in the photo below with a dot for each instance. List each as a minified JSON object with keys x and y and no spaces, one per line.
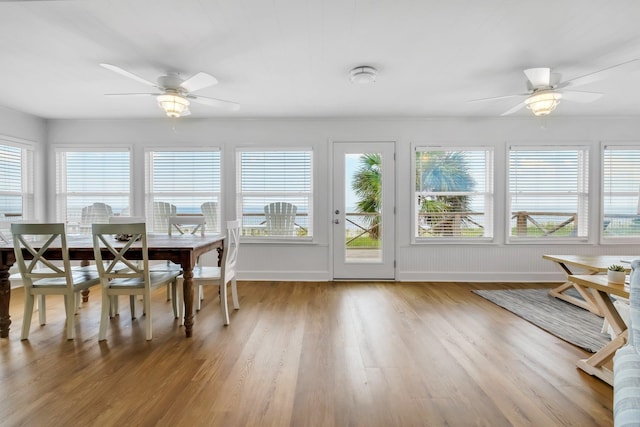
{"x":433,"y":262}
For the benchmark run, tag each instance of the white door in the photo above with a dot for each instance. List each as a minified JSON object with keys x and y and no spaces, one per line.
{"x":363,"y":210}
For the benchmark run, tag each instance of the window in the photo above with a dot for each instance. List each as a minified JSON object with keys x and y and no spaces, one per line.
{"x":91,"y":186}
{"x":16,"y":185}
{"x":621,"y":192}
{"x":548,"y":192}
{"x":453,"y":193}
{"x":280,"y":177}
{"x":187,"y":180}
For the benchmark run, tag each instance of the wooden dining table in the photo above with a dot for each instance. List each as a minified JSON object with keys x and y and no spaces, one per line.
{"x":180,"y":249}
{"x":592,"y":265}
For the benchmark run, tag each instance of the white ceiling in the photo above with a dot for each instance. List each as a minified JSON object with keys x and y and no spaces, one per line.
{"x":291,"y":58}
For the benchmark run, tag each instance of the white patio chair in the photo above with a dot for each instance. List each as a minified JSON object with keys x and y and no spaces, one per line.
{"x":218,"y":276}
{"x":210,"y":212}
{"x":280,"y":219}
{"x":95,"y":213}
{"x":161,"y":213}
{"x":52,"y":278}
{"x":135,"y":280}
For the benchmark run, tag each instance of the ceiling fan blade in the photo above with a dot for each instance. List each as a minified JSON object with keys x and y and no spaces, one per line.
{"x":198,"y":81}
{"x":513,"y":109}
{"x":579,"y":96}
{"x":539,"y":77}
{"x":132,"y":94}
{"x":128,"y":74}
{"x":600,"y":74}
{"x":220,"y":103}
{"x":495,"y":98}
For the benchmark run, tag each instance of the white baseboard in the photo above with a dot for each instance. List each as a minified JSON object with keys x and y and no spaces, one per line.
{"x":324,"y":276}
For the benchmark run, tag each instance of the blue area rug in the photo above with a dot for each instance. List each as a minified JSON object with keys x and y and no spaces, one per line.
{"x":562,"y":319}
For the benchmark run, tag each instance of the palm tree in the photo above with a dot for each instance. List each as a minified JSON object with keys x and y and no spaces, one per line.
{"x":443,"y":171}
{"x":367,"y":185}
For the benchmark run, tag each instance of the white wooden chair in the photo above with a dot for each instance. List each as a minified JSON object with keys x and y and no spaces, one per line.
{"x":218,"y":276}
{"x":280,"y":219}
{"x":161,"y":213}
{"x":178,"y":223}
{"x":135,"y":280}
{"x":210,"y":212}
{"x":122,"y":219}
{"x":50,"y":279}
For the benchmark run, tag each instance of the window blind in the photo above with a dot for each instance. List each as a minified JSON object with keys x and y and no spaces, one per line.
{"x":88,"y":177}
{"x":453,"y":193}
{"x":189,"y":180}
{"x":621,"y":192}
{"x":16,"y":184}
{"x":275,"y":176}
{"x":548,"y":192}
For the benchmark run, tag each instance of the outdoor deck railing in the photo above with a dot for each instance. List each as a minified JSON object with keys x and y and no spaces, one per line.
{"x":526,"y":223}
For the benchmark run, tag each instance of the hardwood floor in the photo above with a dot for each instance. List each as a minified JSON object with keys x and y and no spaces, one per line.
{"x":302,"y":354}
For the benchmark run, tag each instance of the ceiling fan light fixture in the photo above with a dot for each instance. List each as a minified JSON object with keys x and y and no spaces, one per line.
{"x":363,"y":75}
{"x":173,"y":105}
{"x":543,"y":103}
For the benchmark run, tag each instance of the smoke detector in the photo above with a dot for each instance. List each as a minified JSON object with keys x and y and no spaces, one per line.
{"x":363,"y":74}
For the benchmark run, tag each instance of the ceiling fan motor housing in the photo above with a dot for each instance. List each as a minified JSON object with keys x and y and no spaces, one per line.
{"x":171,"y":81}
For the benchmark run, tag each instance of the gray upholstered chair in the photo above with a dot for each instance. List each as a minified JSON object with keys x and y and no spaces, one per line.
{"x":626,"y":363}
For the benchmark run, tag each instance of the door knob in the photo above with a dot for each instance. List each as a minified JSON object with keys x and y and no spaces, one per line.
{"x":336,"y":221}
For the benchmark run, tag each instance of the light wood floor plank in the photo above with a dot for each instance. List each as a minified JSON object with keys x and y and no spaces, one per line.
{"x":302,"y":354}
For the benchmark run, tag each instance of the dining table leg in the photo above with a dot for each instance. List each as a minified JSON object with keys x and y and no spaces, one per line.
{"x":588,"y":301}
{"x":596,"y":365}
{"x":187,"y":292}
{"x":5,"y":298}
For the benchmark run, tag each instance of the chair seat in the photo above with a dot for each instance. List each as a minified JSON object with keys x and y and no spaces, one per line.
{"x":206,"y":272}
{"x":81,"y":279}
{"x":157,"y":278}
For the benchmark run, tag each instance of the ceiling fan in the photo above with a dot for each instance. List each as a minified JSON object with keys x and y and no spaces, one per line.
{"x":545,"y":89}
{"x":175,"y":93}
